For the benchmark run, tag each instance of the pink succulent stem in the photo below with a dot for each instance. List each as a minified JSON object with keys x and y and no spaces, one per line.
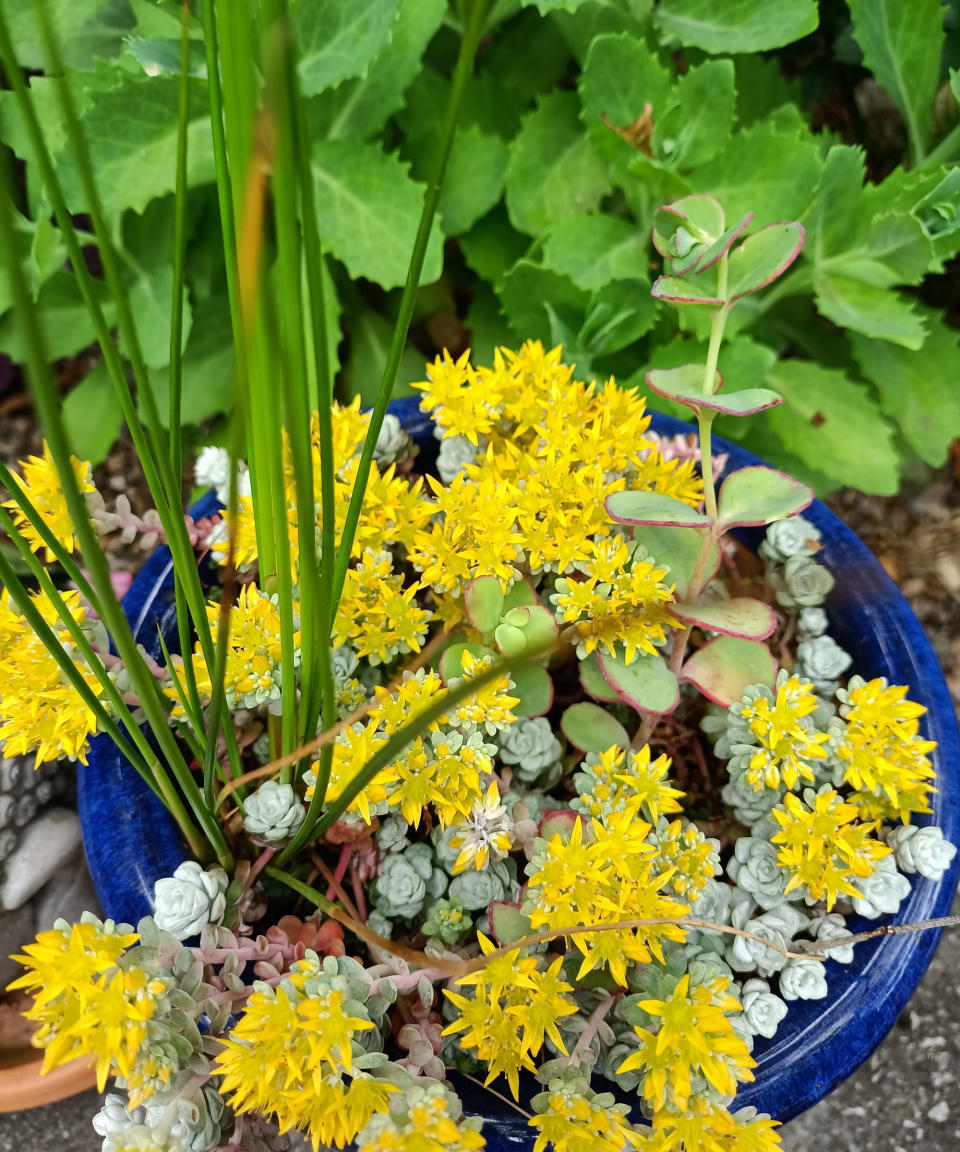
{"x":345,"y":853}
{"x":258,"y":865}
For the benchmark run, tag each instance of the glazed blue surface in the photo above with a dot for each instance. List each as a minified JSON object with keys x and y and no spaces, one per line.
{"x":131,"y":840}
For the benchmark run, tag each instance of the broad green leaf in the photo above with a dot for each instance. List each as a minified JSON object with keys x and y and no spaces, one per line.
{"x":741,"y":616}
{"x":737,"y":25}
{"x":677,"y":550}
{"x":533,"y":686}
{"x":762,"y":87}
{"x":760,"y":495}
{"x":763,"y":169}
{"x":151,"y":301}
{"x":832,"y":424}
{"x":545,"y":7}
{"x":486,"y":325}
{"x":592,"y":729}
{"x":370,"y":335}
{"x":938,"y":213}
{"x":554,"y":170}
{"x":338,"y":39}
{"x":763,"y":257}
{"x":593,"y":250}
{"x":621,"y":77}
{"x":162,"y":20}
{"x":599,"y":17}
{"x":528,"y":56}
{"x":918,"y":390}
{"x":91,"y":416}
{"x":616,"y":315}
{"x":84,"y":87}
{"x":593,"y":682}
{"x":723,"y":669}
{"x":483,"y":600}
{"x":653,"y":508}
{"x":473,"y":183}
{"x":877,"y":312}
{"x":131,"y":131}
{"x":65,"y":321}
{"x":359,"y":108}
{"x":526,"y":291}
{"x":208,"y":367}
{"x":493,"y":245}
{"x":646,"y":683}
{"x":901,"y":42}
{"x":86,"y":30}
{"x":158,"y":56}
{"x":699,"y":118}
{"x":368,"y":209}
{"x":47,"y":254}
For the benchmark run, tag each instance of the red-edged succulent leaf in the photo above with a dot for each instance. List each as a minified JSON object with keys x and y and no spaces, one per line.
{"x":646,"y":683}
{"x":741,"y":616}
{"x":721,"y":246}
{"x":507,"y":922}
{"x":534,"y":687}
{"x":701,"y":217}
{"x":483,"y":599}
{"x":653,"y":508}
{"x":723,"y":669}
{"x":560,"y":822}
{"x":591,"y":678}
{"x":759,"y":495}
{"x":762,"y":257}
{"x":520,"y":594}
{"x":450,"y":665}
{"x":681,"y":291}
{"x":683,"y":385}
{"x":678,"y":549}
{"x":591,"y":728}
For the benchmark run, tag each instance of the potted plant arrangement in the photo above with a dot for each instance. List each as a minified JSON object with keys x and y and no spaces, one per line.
{"x":474,"y":773}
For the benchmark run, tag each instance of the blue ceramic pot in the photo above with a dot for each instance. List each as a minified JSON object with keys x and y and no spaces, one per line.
{"x":131,"y":841}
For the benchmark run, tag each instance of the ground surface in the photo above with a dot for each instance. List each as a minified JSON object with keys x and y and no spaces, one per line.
{"x":907,"y":1096}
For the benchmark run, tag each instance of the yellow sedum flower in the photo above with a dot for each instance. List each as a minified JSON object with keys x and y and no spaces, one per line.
{"x":40,"y":484}
{"x":706,"y":1128}
{"x":40,"y":710}
{"x":618,"y":776}
{"x":885,"y":758}
{"x":420,"y":1122}
{"x":786,"y":744}
{"x":694,"y":1038}
{"x":378,"y":617}
{"x":514,"y":1006}
{"x":570,"y":1121}
{"x":491,"y":707}
{"x":485,"y":835}
{"x":823,"y":846}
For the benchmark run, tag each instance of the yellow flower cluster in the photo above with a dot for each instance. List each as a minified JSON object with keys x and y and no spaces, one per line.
{"x":823,"y":845}
{"x":617,"y":776}
{"x":378,"y":617}
{"x":514,"y":1006}
{"x":553,"y":449}
{"x":885,"y":758}
{"x":287,"y":1056}
{"x":693,"y":1038}
{"x":40,"y":710}
{"x":622,"y":601}
{"x":40,"y":484}
{"x":574,"y":1122}
{"x":422,"y":1122}
{"x":687,"y":856}
{"x":448,"y":768}
{"x":786,"y":744}
{"x":706,"y":1128}
{"x":85,"y":1003}
{"x":604,"y":874}
{"x":254,"y":656}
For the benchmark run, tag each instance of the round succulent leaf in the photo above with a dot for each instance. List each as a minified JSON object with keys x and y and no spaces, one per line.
{"x":723,"y":669}
{"x":684,"y":383}
{"x":560,"y":822}
{"x":759,"y":495}
{"x":538,"y":625}
{"x":591,"y":728}
{"x":740,"y":616}
{"x":520,"y":594}
{"x":507,"y":923}
{"x":450,"y":665}
{"x":534,"y":688}
{"x":483,"y":599}
{"x":699,"y":215}
{"x":683,"y":292}
{"x":653,"y":508}
{"x":510,"y":640}
{"x":677,"y":549}
{"x":762,"y":257}
{"x":646,"y":683}
{"x":591,"y":678}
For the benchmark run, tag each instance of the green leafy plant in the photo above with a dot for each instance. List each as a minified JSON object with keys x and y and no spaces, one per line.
{"x":581,"y":118}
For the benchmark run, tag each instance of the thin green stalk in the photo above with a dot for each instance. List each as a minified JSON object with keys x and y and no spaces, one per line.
{"x":709,"y":388}
{"x":461,"y":73}
{"x":304,"y":890}
{"x":945,"y":152}
{"x":314,"y":825}
{"x":46,"y":398}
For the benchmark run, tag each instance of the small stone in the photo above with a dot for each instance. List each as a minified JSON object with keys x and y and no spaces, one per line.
{"x":69,"y":894}
{"x":939,"y":1112}
{"x":45,"y":845}
{"x":16,"y":929}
